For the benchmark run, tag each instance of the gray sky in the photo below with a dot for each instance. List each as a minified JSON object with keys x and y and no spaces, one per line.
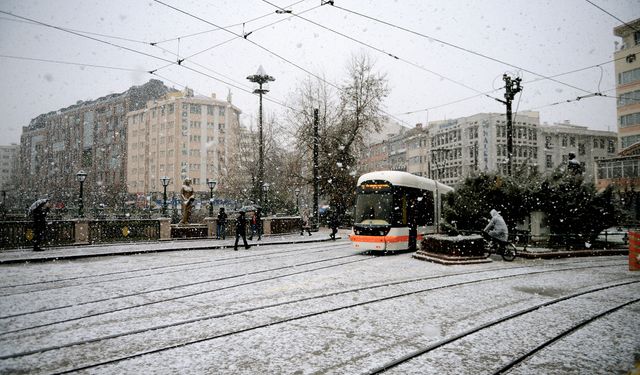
{"x":544,"y":37}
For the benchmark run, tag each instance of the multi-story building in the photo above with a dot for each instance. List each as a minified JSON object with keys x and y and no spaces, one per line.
{"x":89,"y":136}
{"x":623,"y":171}
{"x":451,"y":150}
{"x":180,"y":136}
{"x":559,"y":140}
{"x":627,"y":66}
{"x":8,"y":166}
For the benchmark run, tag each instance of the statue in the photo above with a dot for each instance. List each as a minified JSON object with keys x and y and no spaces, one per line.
{"x":187,"y":201}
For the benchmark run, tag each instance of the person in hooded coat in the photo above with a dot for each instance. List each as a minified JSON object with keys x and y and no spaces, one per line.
{"x":222,"y":225}
{"x":40,"y":225}
{"x":241,"y":230}
{"x":497,"y":228}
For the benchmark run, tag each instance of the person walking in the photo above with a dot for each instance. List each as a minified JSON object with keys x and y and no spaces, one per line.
{"x":221,"y":225}
{"x":256,"y":224}
{"x":334,"y":222}
{"x":241,"y":229}
{"x":304,"y":224}
{"x":39,"y":210}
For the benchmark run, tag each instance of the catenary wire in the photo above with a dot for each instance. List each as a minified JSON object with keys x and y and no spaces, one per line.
{"x":454,"y":46}
{"x":72,"y":63}
{"x":394,"y":56}
{"x":605,"y":11}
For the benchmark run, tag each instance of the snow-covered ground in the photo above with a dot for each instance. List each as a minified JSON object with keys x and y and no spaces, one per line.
{"x":312,"y":308}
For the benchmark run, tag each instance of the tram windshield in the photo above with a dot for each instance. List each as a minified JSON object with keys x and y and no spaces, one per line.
{"x":374,"y":208}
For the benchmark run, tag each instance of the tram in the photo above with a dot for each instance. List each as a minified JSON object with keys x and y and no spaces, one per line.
{"x":394,"y":210}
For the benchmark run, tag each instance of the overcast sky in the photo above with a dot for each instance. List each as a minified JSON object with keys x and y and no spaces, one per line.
{"x":534,"y":37}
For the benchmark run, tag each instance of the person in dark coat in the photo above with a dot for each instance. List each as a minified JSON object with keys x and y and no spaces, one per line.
{"x":334,"y":222}
{"x":304,"y":224}
{"x":221,"y":225}
{"x":40,"y":224}
{"x":241,"y":229}
{"x":256,"y":224}
{"x":573,"y":165}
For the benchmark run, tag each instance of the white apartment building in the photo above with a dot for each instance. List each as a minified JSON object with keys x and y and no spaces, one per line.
{"x":180,"y":136}
{"x":9,"y":155}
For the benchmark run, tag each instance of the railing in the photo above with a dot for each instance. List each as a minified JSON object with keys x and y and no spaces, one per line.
{"x":281,"y":225}
{"x":14,"y":234}
{"x":123,"y":230}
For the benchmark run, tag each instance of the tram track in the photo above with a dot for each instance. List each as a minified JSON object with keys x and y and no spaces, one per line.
{"x":173,"y":298}
{"x":437,"y":345}
{"x":244,"y":259}
{"x":269,"y":324}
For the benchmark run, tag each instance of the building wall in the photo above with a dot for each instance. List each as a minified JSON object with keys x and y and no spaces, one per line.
{"x":627,"y":66}
{"x":8,"y":166}
{"x":88,"y":135}
{"x":180,"y":136}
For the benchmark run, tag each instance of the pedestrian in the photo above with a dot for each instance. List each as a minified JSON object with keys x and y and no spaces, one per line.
{"x":497,"y":228}
{"x":256,"y":224}
{"x":221,"y":225}
{"x":304,"y":224}
{"x":39,"y":210}
{"x":241,"y":229}
{"x":334,"y":222}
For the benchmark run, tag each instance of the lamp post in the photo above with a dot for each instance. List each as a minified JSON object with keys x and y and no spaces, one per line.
{"x":265,"y":189}
{"x":165,"y":182}
{"x":297,"y":192}
{"x":260,"y":78}
{"x":212,"y":185}
{"x":80,"y":177}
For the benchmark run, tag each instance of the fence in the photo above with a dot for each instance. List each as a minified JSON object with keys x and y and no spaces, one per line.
{"x":123,"y":230}
{"x":15,"y":234}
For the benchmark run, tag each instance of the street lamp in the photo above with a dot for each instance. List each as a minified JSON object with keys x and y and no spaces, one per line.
{"x":260,"y":78}
{"x":265,"y":189}
{"x":297,"y":192}
{"x":212,"y":185}
{"x":165,"y":182}
{"x":80,"y":177}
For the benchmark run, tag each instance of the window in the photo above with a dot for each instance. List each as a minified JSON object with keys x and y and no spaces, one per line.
{"x":547,"y":142}
{"x":196,"y":108}
{"x":170,"y":108}
{"x":629,"y":76}
{"x":628,"y":141}
{"x":611,"y":148}
{"x":549,"y":161}
{"x":630,"y":120}
{"x":572,"y":141}
{"x":210,"y":109}
{"x":564,"y":141}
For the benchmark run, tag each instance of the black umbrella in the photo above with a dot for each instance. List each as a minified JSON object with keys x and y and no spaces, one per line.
{"x":37,"y":204}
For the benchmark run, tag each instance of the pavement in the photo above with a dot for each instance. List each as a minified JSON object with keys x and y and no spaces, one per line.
{"x":27,"y":255}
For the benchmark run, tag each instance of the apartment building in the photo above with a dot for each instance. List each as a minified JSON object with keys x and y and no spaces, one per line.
{"x":89,"y":136}
{"x":180,"y":136}
{"x":451,"y":150}
{"x":8,"y":166}
{"x":627,"y":67}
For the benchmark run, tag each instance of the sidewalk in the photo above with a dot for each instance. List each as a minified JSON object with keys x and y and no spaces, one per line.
{"x":27,"y":255}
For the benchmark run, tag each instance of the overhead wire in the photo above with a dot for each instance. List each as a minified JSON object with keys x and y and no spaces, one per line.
{"x":73,"y":63}
{"x":605,"y":11}
{"x":394,"y":56}
{"x":266,"y":49}
{"x":454,"y":46}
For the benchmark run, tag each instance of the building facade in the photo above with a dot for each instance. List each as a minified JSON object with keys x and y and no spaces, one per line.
{"x":627,"y":67}
{"x":8,"y":166}
{"x":452,"y":150}
{"x":180,"y":136}
{"x":89,"y":136}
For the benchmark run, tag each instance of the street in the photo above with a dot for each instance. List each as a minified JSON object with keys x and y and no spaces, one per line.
{"x":317,"y":308}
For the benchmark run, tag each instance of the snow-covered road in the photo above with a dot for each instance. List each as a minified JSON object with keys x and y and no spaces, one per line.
{"x":314,"y":308}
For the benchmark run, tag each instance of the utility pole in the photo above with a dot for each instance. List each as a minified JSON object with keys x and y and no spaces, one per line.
{"x":315,"y":166}
{"x":512,"y":88}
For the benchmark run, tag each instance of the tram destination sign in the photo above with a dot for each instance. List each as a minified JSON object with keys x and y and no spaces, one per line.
{"x":371,"y":186}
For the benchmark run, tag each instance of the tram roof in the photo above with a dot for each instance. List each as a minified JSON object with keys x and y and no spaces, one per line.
{"x":405,"y":179}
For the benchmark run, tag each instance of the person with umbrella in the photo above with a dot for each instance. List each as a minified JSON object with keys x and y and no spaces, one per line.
{"x":241,"y":230}
{"x":39,"y":210}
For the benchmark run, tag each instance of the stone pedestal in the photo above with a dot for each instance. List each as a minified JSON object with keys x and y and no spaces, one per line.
{"x":165,"y":228}
{"x":82,"y":231}
{"x":211,"y":223}
{"x":266,"y":226}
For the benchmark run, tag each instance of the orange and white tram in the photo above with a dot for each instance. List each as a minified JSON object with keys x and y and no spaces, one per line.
{"x":394,"y":210}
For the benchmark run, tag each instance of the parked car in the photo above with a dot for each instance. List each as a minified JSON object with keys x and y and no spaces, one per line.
{"x":618,"y":235}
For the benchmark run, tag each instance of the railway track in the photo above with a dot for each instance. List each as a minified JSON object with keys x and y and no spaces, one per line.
{"x":281,"y":321}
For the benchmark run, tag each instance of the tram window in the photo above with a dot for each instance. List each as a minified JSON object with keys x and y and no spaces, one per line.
{"x":373,"y":208}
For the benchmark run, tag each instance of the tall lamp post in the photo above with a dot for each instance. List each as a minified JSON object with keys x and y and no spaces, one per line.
{"x":212,"y":185}
{"x":165,"y":182}
{"x":80,"y":177}
{"x":297,"y":192}
{"x":260,"y":78}
{"x":265,"y":189}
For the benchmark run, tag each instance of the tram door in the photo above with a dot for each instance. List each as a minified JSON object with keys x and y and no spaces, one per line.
{"x":412,"y":220}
